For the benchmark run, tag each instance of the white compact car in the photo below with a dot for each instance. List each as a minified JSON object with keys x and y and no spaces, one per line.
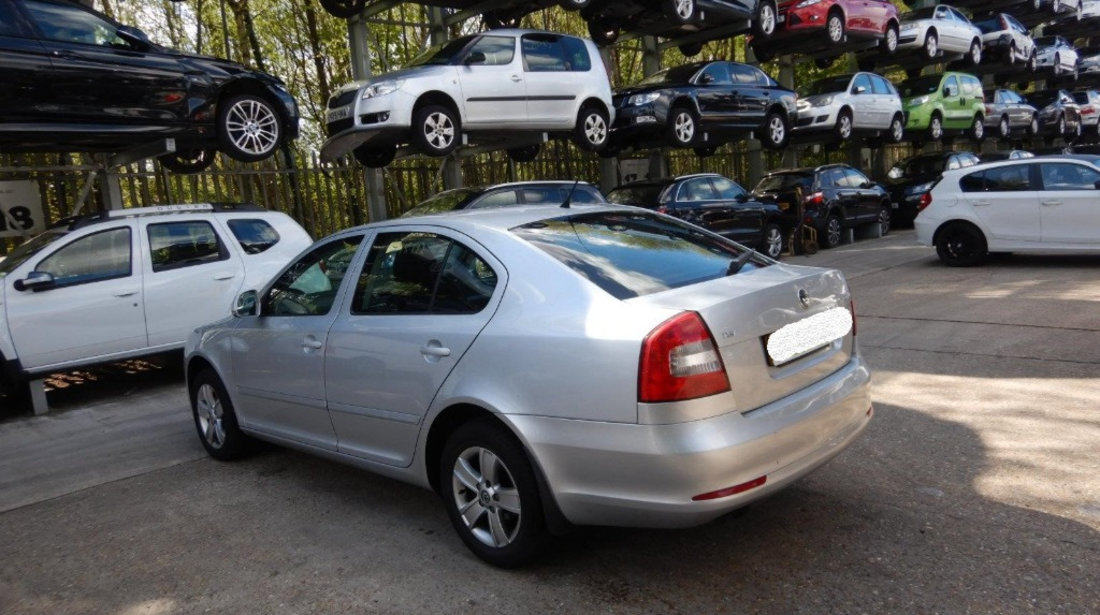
{"x":1056,"y":54}
{"x":851,"y":104}
{"x":1028,"y":205}
{"x":492,"y":83}
{"x":936,"y":29}
{"x":130,"y":282}
{"x":542,"y":366}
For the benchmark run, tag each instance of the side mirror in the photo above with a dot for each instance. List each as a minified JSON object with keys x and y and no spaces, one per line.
{"x":136,"y":38}
{"x":706,"y":78}
{"x":742,"y":198}
{"x":867,"y":185}
{"x":247,"y":304}
{"x":36,"y":281}
{"x":859,"y":89}
{"x":474,"y":58}
{"x":949,"y":91}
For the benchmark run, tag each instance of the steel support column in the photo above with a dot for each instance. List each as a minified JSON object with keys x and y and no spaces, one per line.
{"x":359,"y":41}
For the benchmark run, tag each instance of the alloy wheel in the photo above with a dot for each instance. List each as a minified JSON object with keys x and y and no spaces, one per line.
{"x":439,"y":131}
{"x":210,"y":415}
{"x":252,"y":126}
{"x":486,"y":496}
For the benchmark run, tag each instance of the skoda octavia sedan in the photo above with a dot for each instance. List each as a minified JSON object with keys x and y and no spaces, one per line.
{"x":492,"y":84}
{"x":75,"y":80}
{"x":540,"y":367}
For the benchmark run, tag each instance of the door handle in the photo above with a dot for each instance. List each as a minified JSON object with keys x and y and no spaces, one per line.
{"x":126,"y":293}
{"x":980,"y":203}
{"x":516,"y":78}
{"x":312,"y":343}
{"x":435,"y":351}
{"x":1051,"y":203}
{"x":224,"y":275}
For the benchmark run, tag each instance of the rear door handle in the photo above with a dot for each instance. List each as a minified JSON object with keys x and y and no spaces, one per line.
{"x":516,"y":78}
{"x":224,"y":275}
{"x":981,"y":203}
{"x":1052,"y":202}
{"x":312,"y":343}
{"x":435,"y":351}
{"x":126,"y":293}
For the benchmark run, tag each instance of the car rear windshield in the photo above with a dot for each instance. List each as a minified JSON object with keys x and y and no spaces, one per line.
{"x":646,"y":195}
{"x":632,"y":254}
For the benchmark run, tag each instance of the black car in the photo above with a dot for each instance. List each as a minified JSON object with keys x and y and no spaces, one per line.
{"x":911,"y":178}
{"x":828,"y":198}
{"x":506,"y":195}
{"x":500,"y":14}
{"x":606,"y":18}
{"x":713,"y":202}
{"x":1059,"y":114}
{"x":702,"y":105}
{"x":75,"y":80}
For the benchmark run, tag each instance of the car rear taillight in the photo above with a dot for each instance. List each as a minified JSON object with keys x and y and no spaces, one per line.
{"x":925,"y":201}
{"x":680,"y":360}
{"x":816,"y":198}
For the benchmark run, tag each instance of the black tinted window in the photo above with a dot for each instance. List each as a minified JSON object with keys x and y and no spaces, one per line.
{"x":716,"y":74}
{"x":643,"y":195}
{"x":7,"y":21}
{"x":1013,"y":178}
{"x":184,"y":244}
{"x":69,"y":24}
{"x":255,"y":236}
{"x":632,"y":254}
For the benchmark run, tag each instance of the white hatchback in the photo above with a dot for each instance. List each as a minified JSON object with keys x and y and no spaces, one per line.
{"x":130,"y":282}
{"x":1028,"y":205}
{"x":851,"y":104}
{"x":942,"y":28}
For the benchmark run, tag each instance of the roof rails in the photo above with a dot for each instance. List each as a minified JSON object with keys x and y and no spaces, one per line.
{"x":157,"y":210}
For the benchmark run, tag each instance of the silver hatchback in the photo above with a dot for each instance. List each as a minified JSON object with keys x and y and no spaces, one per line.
{"x":540,"y":367}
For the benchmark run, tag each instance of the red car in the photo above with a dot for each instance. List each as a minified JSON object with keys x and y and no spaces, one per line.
{"x":827,"y":26}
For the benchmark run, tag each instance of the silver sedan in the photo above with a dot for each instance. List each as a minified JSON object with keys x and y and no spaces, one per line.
{"x":540,"y":367}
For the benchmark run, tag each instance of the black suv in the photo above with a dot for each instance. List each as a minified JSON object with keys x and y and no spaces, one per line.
{"x":702,"y":105}
{"x":910,"y":179}
{"x":828,"y":198}
{"x":607,"y":17}
{"x":75,"y":80}
{"x":551,"y":192}
{"x":713,"y":202}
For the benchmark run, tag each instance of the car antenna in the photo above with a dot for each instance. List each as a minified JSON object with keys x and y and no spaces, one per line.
{"x":569,"y":197}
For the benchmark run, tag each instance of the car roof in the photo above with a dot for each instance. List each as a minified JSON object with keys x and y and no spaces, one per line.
{"x":494,"y":218}
{"x":83,"y":220}
{"x":664,"y":181}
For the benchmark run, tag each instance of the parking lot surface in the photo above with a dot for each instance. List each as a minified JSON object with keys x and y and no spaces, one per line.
{"x":976,"y":489}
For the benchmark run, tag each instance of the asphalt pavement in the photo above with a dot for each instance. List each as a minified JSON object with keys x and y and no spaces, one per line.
{"x":976,"y":488}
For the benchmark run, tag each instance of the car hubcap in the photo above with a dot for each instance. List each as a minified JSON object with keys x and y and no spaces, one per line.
{"x":774,"y":242}
{"x":439,"y":131}
{"x":976,"y":53}
{"x":836,"y":29}
{"x":684,"y":127}
{"x":1004,"y":127}
{"x":777,"y":130}
{"x":937,"y":129}
{"x":684,"y":8}
{"x":959,"y":246}
{"x":979,"y":128}
{"x":845,"y":128}
{"x":486,"y":496}
{"x":930,"y":46}
{"x":1034,"y":126}
{"x":891,"y":40}
{"x":884,"y":220}
{"x":209,"y":409}
{"x":767,"y":19}
{"x":898,"y":130}
{"x":595,"y":129}
{"x":252,"y":127}
{"x":834,"y":232}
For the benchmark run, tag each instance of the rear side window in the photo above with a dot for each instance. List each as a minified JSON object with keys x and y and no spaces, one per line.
{"x":576,"y":54}
{"x":541,"y":53}
{"x":1013,"y":178}
{"x":1068,"y":176}
{"x":183,"y":244}
{"x":630,"y":254}
{"x":255,"y":236}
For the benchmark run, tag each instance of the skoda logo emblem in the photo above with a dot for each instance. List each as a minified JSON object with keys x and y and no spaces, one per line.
{"x":804,"y":297}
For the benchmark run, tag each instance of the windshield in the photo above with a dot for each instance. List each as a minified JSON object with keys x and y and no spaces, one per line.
{"x":676,"y":75}
{"x":439,"y":55}
{"x":825,"y":86}
{"x":644,"y":195}
{"x":919,"y":14}
{"x":25,"y":251}
{"x":444,"y":201}
{"x":631,"y":254}
{"x":920,"y":86}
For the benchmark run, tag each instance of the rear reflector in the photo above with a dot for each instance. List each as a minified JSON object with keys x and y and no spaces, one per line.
{"x":728,"y":491}
{"x":680,"y":361}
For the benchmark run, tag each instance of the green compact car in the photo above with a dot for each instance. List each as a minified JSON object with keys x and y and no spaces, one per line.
{"x":936,"y":105}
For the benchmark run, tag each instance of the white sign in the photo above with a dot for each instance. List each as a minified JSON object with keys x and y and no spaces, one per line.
{"x":633,"y":169}
{"x":20,"y":209}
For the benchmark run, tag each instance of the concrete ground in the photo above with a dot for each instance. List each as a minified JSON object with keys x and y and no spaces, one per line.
{"x":976,"y":489}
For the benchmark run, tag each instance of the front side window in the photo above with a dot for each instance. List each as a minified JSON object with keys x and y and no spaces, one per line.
{"x":497,"y":50}
{"x":255,"y":236}
{"x":881,"y":86}
{"x":69,"y":24}
{"x":92,"y":258}
{"x":717,"y":73}
{"x":422,"y":273}
{"x":727,"y":188}
{"x":309,"y":286}
{"x":183,"y":244}
{"x":543,"y":53}
{"x":1068,"y":176}
{"x":861,"y":81}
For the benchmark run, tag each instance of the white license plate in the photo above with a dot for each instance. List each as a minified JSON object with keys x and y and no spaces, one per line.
{"x":807,"y":335}
{"x":338,"y":114}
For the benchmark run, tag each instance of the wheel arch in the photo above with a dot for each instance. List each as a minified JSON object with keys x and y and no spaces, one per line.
{"x":435,"y":97}
{"x":592,"y":101}
{"x":957,"y":222}
{"x":254,"y":87}
{"x":195,"y":365}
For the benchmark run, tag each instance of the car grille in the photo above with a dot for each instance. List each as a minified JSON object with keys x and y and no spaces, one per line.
{"x":342,"y":99}
{"x":340,"y":125}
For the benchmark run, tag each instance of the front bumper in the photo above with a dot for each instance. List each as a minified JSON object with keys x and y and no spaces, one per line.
{"x":638,"y":123}
{"x":646,"y":475}
{"x":379,"y":119}
{"x":812,"y":119}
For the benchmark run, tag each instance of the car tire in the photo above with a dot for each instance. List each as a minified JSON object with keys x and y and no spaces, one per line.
{"x":249,"y":128}
{"x":491,"y":494}
{"x":683,"y":126}
{"x":833,"y":232}
{"x":374,"y":157}
{"x":977,"y":129}
{"x":602,"y":32}
{"x":1004,"y":128}
{"x":935,"y":128}
{"x":843,"y":128}
{"x":436,"y":130}
{"x":896,"y":133}
{"x":1057,"y":65}
{"x":825,"y":62}
{"x":960,"y":245}
{"x":706,"y":151}
{"x":193,"y":161}
{"x":866,"y":64}
{"x":215,"y":419}
{"x":494,"y":20}
{"x":884,"y":215}
{"x":777,"y":130}
{"x":1062,"y":125}
{"x":889,"y":43}
{"x":1012,"y":51}
{"x":931,"y":45}
{"x":1033,"y":127}
{"x":771,"y":242}
{"x":591,"y":130}
{"x":834,"y":28}
{"x":690,"y":49}
{"x":974,"y":58}
{"x":524,"y":154}
{"x":763,"y":54}
{"x":1032,"y":65}
{"x":766,"y":21}
{"x":343,"y":8}
{"x":679,"y":12}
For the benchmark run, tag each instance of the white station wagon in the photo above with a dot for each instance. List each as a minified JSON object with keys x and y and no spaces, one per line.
{"x":495,"y":83}
{"x":542,"y":366}
{"x":128,"y":282}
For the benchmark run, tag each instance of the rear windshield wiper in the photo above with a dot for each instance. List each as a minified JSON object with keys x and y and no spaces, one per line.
{"x":736,"y":265}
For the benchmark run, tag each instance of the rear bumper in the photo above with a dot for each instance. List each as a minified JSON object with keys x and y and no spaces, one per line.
{"x":646,"y":475}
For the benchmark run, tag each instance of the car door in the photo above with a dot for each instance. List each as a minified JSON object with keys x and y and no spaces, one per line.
{"x":93,"y":308}
{"x":421,"y":299}
{"x":869,"y":199}
{"x":186,"y":258}
{"x":23,"y":64}
{"x":98,"y":75}
{"x":953,"y":114}
{"x":279,"y":355}
{"x":715,"y":94}
{"x":551,"y":82}
{"x":751,"y":94}
{"x":1069,"y":203}
{"x":948,"y":30}
{"x":866,"y":113}
{"x":1005,"y":200}
{"x":493,"y":84}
